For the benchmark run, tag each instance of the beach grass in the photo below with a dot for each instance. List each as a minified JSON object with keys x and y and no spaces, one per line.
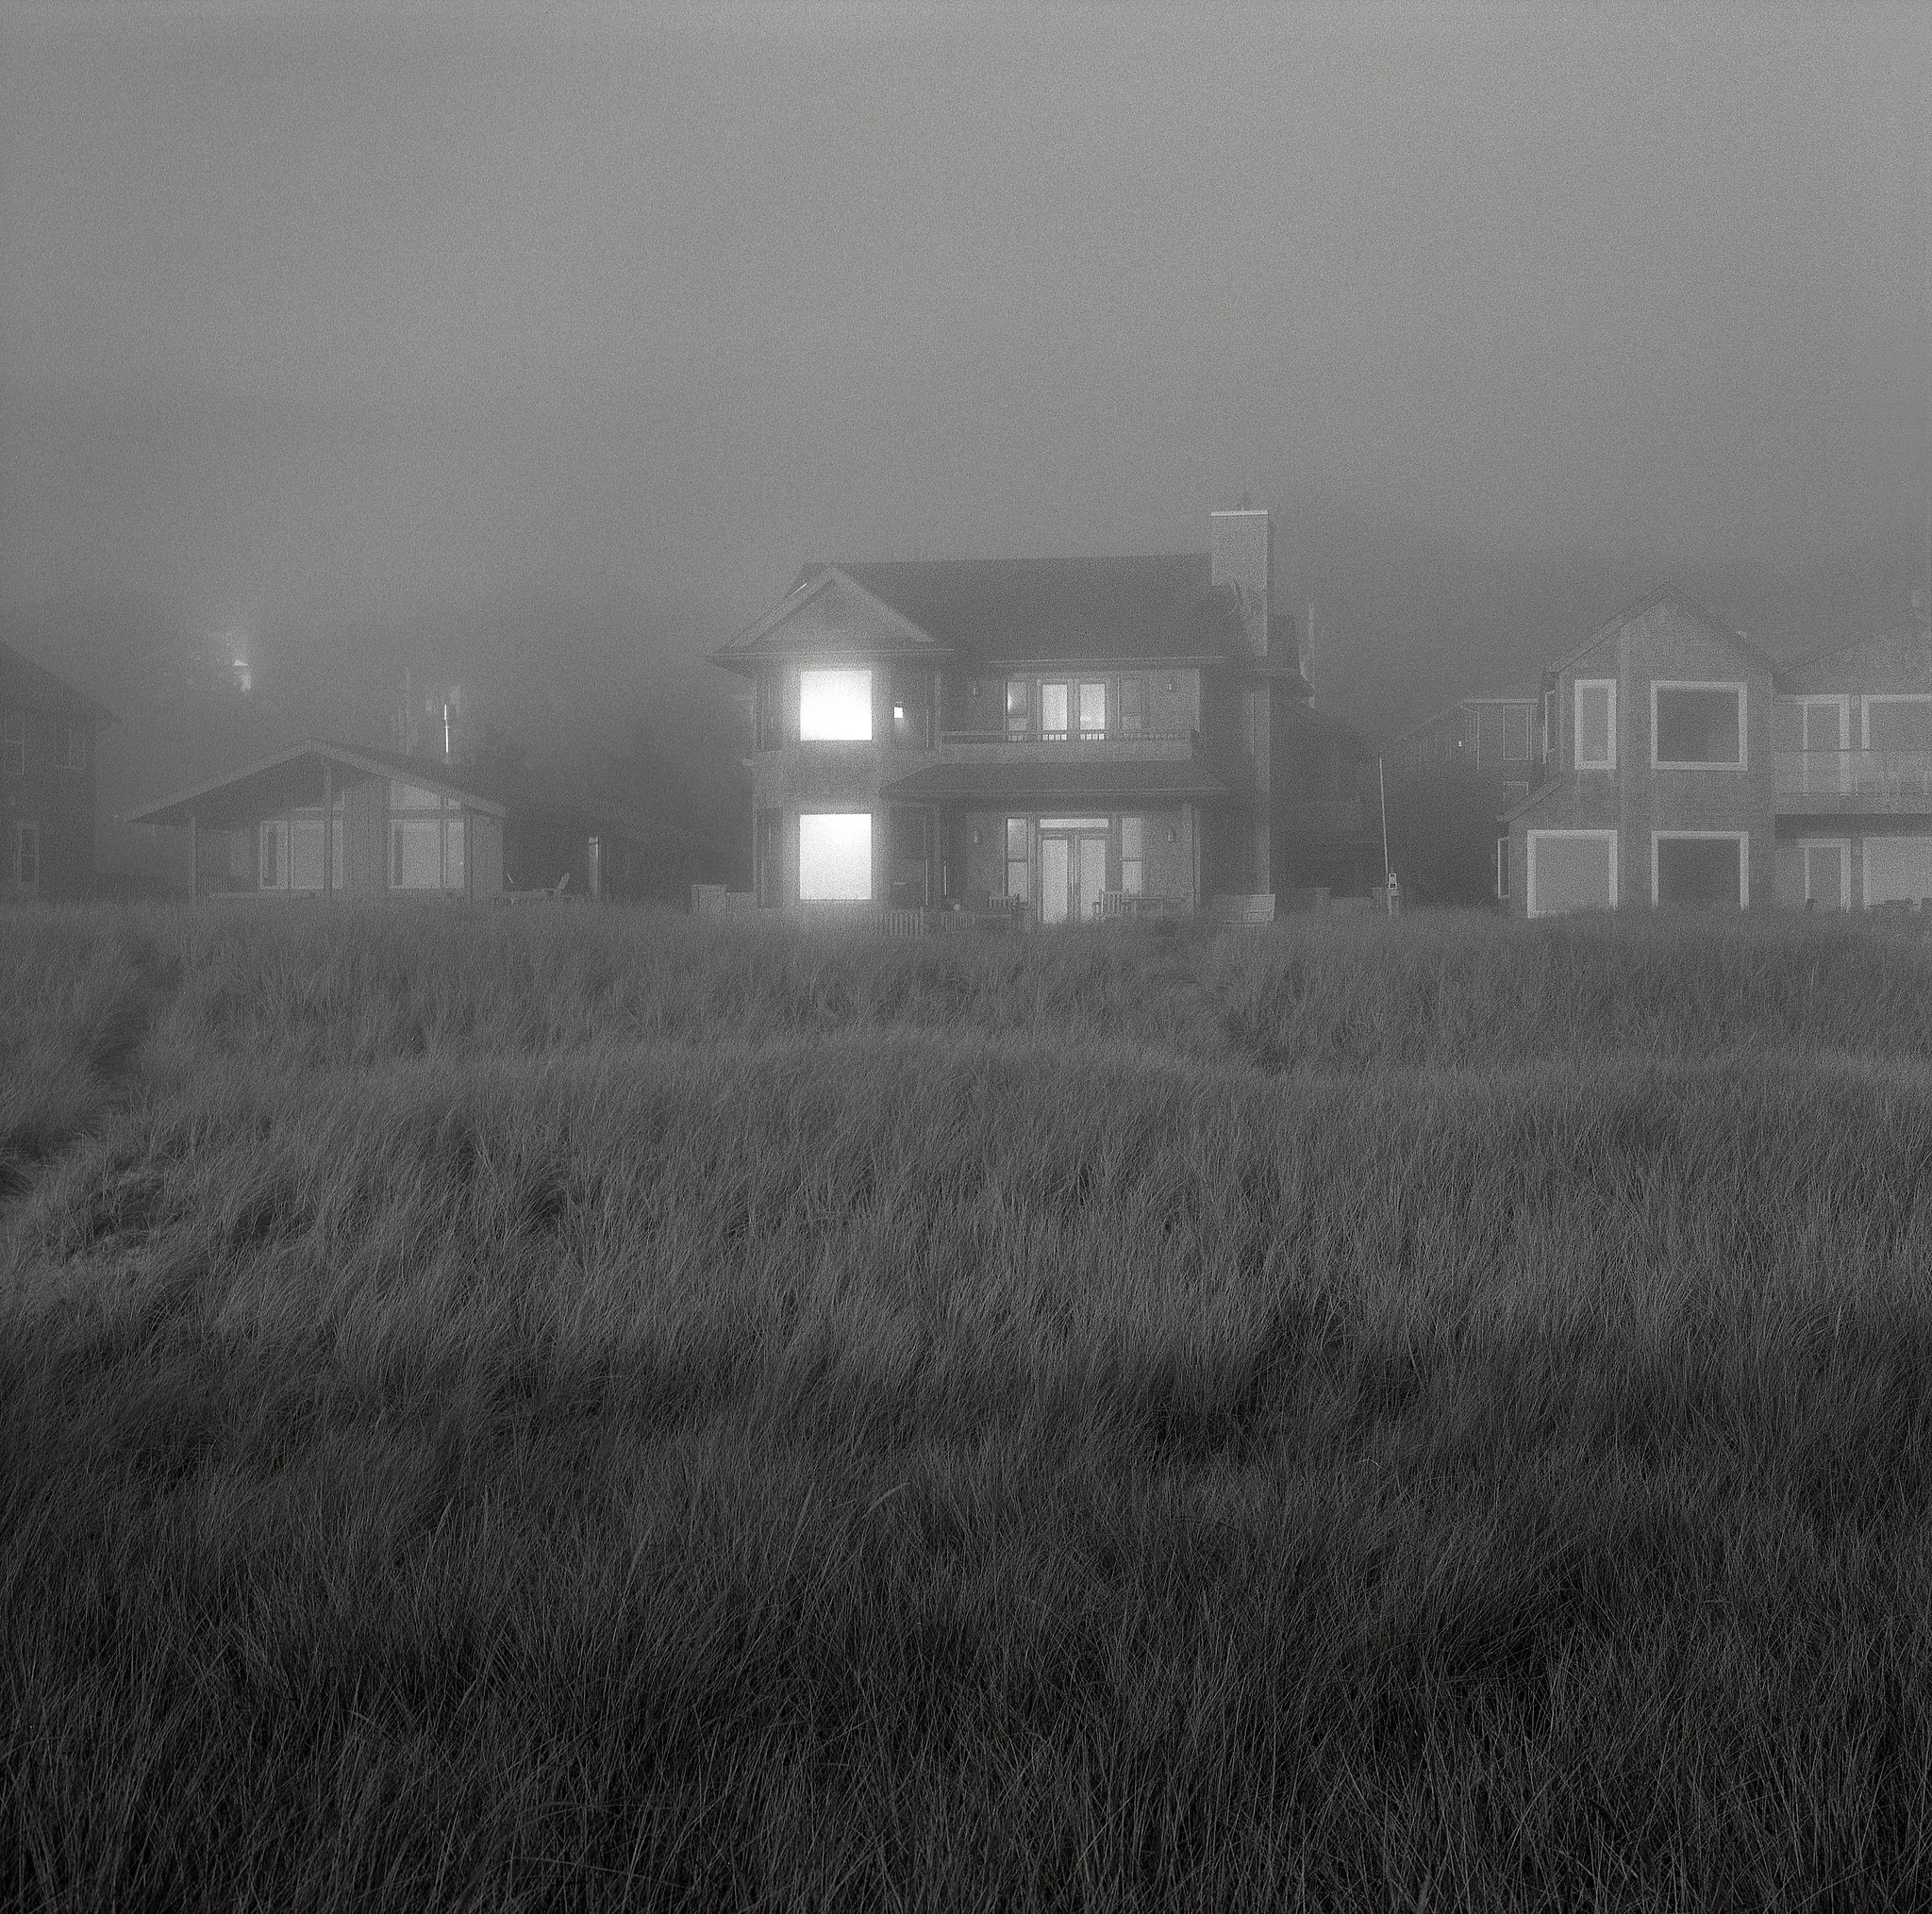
{"x":585,"y":1408}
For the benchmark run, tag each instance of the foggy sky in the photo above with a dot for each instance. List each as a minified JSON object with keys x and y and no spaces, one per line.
{"x":327,"y":318}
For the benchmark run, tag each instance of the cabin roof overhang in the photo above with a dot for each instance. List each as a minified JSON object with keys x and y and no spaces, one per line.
{"x":295,"y":777}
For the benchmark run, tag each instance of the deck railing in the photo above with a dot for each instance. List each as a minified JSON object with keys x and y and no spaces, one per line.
{"x":1852,"y":774}
{"x":1112,"y":734}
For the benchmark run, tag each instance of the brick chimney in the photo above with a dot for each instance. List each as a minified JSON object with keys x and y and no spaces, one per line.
{"x":1243,"y":547}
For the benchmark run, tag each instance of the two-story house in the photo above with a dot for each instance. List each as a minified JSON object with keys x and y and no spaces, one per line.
{"x":47,"y":736}
{"x":1068,"y":737}
{"x":1686,"y":767}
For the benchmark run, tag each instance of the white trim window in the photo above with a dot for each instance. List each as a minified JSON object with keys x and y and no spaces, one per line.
{"x":12,"y":743}
{"x":1826,"y":870}
{"x":1571,"y":870}
{"x":1515,"y":734}
{"x":834,"y":707}
{"x":1093,"y":709}
{"x":1698,"y":725}
{"x":1905,"y":721}
{"x":1897,"y":870}
{"x":1700,"y":867}
{"x":835,"y":856}
{"x":427,"y":847}
{"x":1133,"y":855}
{"x":1594,"y":731}
{"x":26,"y":856}
{"x":1824,"y":737}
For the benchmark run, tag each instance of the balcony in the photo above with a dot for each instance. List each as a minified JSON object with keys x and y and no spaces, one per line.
{"x":1060,"y":747}
{"x":1831,"y":783}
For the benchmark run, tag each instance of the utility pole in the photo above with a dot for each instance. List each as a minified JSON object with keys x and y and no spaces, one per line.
{"x":1388,"y":889}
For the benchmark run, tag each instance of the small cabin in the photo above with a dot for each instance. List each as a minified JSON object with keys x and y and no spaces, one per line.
{"x":326,"y":819}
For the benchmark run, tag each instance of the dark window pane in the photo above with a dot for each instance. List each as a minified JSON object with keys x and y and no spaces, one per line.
{"x":1697,"y":871}
{"x":1696,"y":727}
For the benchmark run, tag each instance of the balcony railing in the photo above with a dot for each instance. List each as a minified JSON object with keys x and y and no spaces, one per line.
{"x":1847,"y":777}
{"x":1054,"y":747}
{"x":1112,"y":733}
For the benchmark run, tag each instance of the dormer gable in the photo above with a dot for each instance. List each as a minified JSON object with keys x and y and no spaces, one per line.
{"x":826,"y":614}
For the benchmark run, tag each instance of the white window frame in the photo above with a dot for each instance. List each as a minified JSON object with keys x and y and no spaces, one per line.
{"x":1870,"y":698}
{"x":1742,"y":760}
{"x":1530,"y":841}
{"x":1865,"y":861}
{"x":450,"y":819}
{"x":1843,"y":847}
{"x":1839,"y":702}
{"x":1515,"y":756}
{"x":12,"y":743}
{"x":871,"y":694}
{"x":1741,"y":838}
{"x":1134,"y":865}
{"x":1577,"y":688}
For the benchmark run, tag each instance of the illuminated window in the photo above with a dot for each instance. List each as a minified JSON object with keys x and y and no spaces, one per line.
{"x":1093,"y":710}
{"x":834,"y":706}
{"x":1596,"y":724}
{"x":1053,"y":712}
{"x":1697,"y":726}
{"x":835,"y":855}
{"x":1133,"y":850}
{"x":1019,"y":717}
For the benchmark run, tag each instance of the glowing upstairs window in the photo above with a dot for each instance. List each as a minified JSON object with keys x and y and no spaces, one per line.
{"x":834,"y":706}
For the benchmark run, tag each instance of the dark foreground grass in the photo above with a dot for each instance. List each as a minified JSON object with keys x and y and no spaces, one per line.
{"x":580,"y":1411}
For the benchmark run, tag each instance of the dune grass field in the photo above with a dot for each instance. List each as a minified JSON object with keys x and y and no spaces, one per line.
{"x":591,"y":1408}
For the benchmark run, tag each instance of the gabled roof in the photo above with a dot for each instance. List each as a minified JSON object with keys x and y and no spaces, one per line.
{"x":499,"y":791}
{"x":1904,"y":653}
{"x":1525,"y":690}
{"x":23,"y":683}
{"x":1669,"y":594}
{"x":1012,"y":610}
{"x":826,"y":610}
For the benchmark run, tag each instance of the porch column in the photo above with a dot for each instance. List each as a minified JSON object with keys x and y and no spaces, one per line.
{"x":328,"y":830}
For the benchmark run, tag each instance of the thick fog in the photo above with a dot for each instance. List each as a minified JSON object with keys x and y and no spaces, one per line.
{"x":534,"y":347}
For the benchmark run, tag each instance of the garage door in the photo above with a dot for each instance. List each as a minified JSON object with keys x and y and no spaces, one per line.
{"x":1897,"y":869}
{"x":1572,"y":870}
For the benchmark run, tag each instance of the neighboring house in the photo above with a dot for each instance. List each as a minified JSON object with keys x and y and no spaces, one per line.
{"x":1687,"y":768}
{"x":400,"y":827}
{"x":47,"y":736}
{"x":1071,"y":737}
{"x":1449,"y":779}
